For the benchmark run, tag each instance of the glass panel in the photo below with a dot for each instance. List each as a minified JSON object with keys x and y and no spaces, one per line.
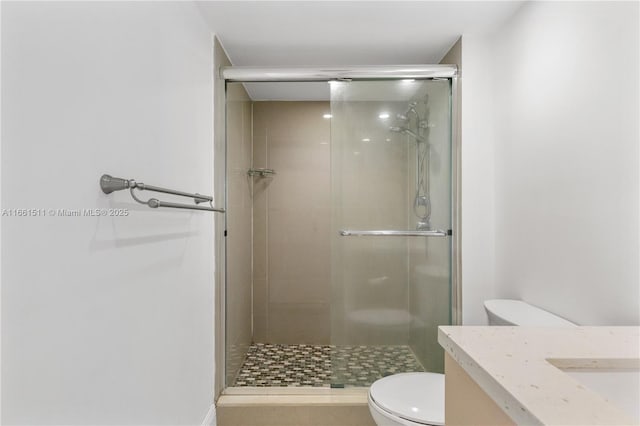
{"x":390,"y":170}
{"x":238,"y":226}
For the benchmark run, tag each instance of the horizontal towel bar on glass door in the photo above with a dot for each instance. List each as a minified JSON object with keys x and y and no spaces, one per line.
{"x":388,"y":233}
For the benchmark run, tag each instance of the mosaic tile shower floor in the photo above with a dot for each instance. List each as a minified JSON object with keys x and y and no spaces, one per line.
{"x":269,"y":365}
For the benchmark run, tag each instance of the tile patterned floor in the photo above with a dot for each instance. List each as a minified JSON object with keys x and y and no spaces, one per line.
{"x":322,"y":365}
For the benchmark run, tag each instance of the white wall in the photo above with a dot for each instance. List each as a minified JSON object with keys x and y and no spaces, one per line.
{"x":567,"y":160}
{"x":106,"y":320}
{"x":564,"y":124}
{"x":478,"y":179}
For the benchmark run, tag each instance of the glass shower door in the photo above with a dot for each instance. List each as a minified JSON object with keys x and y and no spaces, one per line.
{"x":391,"y":216}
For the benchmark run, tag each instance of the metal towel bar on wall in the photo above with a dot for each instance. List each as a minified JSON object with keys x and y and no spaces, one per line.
{"x":110,"y":184}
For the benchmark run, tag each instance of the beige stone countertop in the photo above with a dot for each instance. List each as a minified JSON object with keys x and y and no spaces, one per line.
{"x":519,"y":368}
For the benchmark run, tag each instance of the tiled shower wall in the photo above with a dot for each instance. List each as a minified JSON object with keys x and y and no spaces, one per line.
{"x":291,"y":223}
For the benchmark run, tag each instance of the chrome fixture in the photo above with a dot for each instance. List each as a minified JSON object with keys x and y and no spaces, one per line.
{"x":412,"y":118}
{"x":411,"y":110}
{"x":261,"y":172}
{"x":109,"y":184}
{"x":408,"y":132}
{"x":390,"y":233}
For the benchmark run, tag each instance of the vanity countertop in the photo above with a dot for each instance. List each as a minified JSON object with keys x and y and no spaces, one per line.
{"x":521,"y":369}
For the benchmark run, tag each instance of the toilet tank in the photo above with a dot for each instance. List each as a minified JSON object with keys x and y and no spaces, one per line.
{"x":517,"y":312}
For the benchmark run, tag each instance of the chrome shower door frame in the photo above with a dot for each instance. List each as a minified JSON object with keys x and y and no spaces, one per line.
{"x":227,"y":74}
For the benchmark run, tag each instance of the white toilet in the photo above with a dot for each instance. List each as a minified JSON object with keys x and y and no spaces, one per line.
{"x":417,"y":399}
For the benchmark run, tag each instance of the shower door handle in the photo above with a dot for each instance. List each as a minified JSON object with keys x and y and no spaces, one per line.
{"x":390,"y":233}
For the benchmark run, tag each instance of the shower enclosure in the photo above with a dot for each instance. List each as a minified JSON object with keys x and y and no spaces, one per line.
{"x":340,"y":228}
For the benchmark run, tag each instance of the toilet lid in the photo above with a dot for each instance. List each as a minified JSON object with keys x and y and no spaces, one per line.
{"x":418,"y":397}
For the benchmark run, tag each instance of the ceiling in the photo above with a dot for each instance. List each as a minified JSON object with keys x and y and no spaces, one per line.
{"x":320,"y":33}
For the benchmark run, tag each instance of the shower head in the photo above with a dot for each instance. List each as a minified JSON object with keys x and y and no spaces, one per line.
{"x":408,"y":132}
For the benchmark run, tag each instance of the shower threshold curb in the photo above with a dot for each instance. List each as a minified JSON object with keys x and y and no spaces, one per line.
{"x":294,"y":407}
{"x":294,"y":391}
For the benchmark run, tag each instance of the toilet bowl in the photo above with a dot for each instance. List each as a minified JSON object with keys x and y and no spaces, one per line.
{"x":417,"y":399}
{"x":408,"y":399}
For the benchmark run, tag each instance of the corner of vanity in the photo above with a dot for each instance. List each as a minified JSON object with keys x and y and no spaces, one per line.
{"x":507,"y":375}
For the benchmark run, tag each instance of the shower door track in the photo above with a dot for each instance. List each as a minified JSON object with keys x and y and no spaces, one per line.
{"x":390,"y":72}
